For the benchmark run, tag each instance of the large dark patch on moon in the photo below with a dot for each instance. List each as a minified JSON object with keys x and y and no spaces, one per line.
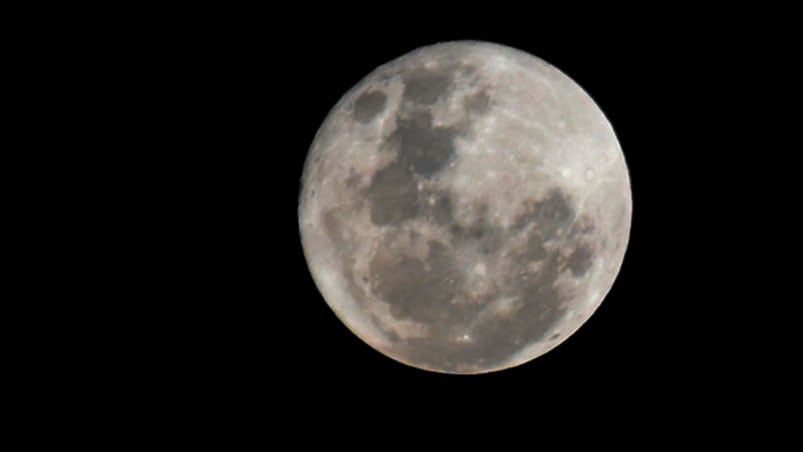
{"x":424,"y":149}
{"x":369,"y":105}
{"x":425,"y":86}
{"x":433,"y":291}
{"x":530,"y":277}
{"x":416,"y":289}
{"x":393,"y":195}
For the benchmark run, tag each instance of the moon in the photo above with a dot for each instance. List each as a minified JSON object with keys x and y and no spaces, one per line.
{"x":465,"y":208}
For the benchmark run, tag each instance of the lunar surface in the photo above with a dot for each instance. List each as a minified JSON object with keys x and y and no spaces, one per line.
{"x":465,"y":208}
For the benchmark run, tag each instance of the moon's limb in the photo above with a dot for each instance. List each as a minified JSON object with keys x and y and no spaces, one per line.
{"x":465,"y":208}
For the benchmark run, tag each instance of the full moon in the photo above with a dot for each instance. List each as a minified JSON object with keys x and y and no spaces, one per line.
{"x":465,"y":208}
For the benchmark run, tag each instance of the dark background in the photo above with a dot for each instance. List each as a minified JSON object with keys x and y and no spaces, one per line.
{"x":247,"y":328}
{"x":625,"y":344}
{"x":163,"y":268}
{"x":647,"y":335}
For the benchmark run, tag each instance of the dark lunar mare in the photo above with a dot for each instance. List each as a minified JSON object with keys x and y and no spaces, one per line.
{"x":393,"y":195}
{"x":581,"y":259}
{"x":416,"y":289}
{"x":422,"y":150}
{"x":426,"y":86}
{"x":424,"y":290}
{"x":495,"y":338}
{"x":369,"y":105}
{"x":540,"y":303}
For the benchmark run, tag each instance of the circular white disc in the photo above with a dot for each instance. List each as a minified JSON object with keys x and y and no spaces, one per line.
{"x":465,"y":208}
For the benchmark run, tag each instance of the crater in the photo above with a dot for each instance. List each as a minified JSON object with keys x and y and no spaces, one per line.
{"x":369,"y":105}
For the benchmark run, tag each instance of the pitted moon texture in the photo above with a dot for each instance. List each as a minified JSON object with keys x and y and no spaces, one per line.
{"x":465,"y":208}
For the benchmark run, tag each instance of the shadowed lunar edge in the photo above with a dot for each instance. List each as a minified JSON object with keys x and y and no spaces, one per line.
{"x":423,"y":290}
